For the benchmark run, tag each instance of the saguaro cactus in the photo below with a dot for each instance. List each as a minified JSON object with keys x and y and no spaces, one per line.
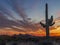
{"x":49,"y":22}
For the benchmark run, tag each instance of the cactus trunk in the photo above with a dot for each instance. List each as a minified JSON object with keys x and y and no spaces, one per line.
{"x":47,"y":25}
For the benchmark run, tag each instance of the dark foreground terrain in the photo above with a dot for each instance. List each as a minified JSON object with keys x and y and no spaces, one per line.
{"x":26,"y":40}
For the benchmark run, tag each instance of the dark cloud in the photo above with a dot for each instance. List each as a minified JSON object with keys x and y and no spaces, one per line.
{"x":25,"y":23}
{"x":24,"y":16}
{"x":5,"y":22}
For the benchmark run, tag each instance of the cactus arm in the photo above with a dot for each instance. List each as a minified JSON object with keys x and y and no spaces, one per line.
{"x":52,"y":24}
{"x":51,"y":18}
{"x":50,"y":21}
{"x":42,"y":24}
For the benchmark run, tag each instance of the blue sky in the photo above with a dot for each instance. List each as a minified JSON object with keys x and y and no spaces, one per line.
{"x":34,"y":9}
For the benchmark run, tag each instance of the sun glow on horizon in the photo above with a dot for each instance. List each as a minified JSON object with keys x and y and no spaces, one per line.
{"x":9,"y":31}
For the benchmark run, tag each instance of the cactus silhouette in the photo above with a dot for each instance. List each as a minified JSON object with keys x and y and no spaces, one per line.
{"x":49,"y":22}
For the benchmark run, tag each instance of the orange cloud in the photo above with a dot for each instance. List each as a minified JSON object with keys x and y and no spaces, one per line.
{"x":40,"y":31}
{"x":53,"y":32}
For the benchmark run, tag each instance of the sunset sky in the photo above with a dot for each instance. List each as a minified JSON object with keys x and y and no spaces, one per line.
{"x":23,"y":17}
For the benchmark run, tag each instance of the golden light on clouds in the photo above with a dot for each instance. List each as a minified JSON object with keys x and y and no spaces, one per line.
{"x":9,"y":31}
{"x":40,"y":31}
